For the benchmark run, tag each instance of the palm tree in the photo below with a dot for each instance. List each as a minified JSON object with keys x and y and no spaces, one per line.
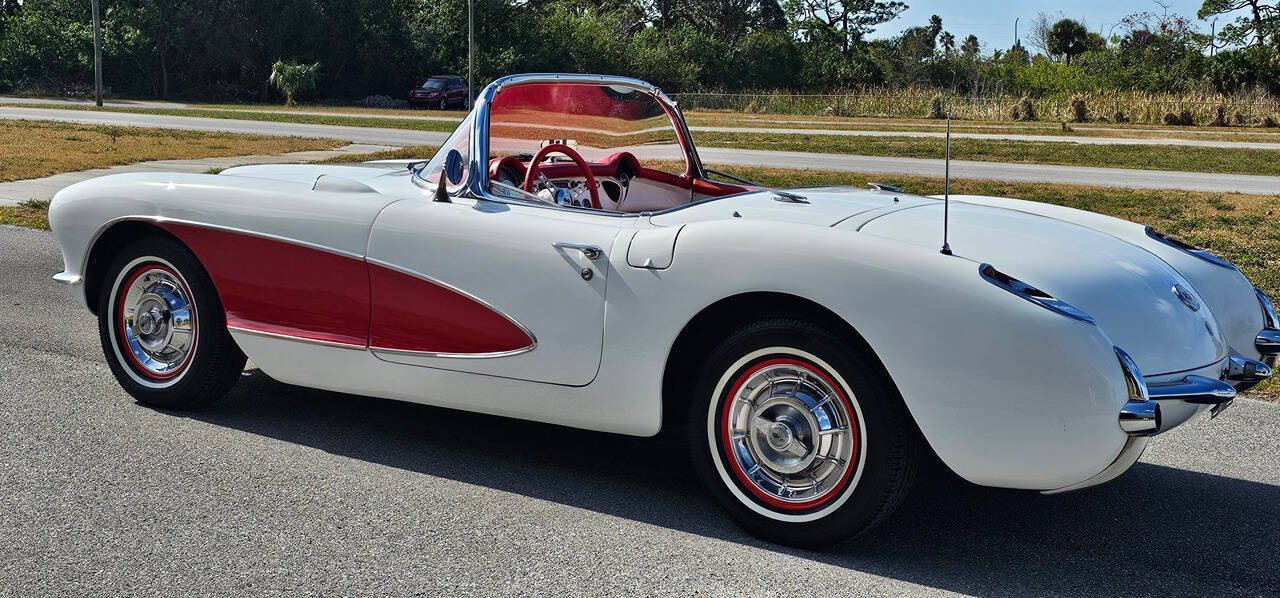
{"x":1067,"y":38}
{"x":292,"y":78}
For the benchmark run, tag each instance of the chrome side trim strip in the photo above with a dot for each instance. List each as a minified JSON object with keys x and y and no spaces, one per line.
{"x":493,"y":355}
{"x":1133,"y":448}
{"x":533,"y":340}
{"x":289,"y":337}
{"x":68,"y":278}
{"x":1192,"y":250}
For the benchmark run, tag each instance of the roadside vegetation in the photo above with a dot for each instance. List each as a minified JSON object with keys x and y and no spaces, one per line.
{"x":34,"y":149}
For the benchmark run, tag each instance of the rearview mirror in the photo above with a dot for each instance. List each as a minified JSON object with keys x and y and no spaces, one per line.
{"x":453,"y":167}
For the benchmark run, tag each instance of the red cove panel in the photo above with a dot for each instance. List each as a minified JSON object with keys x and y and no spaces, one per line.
{"x":283,"y":288}
{"x":413,"y":314}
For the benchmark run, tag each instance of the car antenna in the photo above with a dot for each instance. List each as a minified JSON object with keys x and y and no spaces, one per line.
{"x":946,"y":192}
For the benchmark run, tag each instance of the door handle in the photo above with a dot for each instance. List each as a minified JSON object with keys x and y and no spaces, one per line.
{"x":591,"y":252}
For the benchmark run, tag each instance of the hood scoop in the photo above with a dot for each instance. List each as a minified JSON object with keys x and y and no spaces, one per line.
{"x":338,"y":184}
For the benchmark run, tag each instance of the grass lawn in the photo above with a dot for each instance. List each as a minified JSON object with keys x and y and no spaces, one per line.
{"x":1147,"y":157}
{"x":33,"y":149}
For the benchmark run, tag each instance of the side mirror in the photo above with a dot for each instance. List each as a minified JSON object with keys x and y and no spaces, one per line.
{"x":453,"y":167}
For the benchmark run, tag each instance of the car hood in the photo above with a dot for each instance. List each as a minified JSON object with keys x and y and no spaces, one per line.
{"x":384,"y":177}
{"x":1129,"y":291}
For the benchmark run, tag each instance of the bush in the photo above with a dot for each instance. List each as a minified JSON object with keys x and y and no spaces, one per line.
{"x":1078,"y":111}
{"x":1238,"y":119}
{"x":1185,"y":118}
{"x":1219,"y":117}
{"x":935,"y":108}
{"x":1119,"y":117}
{"x":1023,"y":110}
{"x":1269,"y":121}
{"x":1171,"y":119}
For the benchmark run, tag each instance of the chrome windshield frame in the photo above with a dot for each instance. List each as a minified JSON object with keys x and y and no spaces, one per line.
{"x":477,"y":184}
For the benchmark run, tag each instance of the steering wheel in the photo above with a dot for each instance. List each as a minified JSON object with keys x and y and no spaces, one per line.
{"x":531,"y":174}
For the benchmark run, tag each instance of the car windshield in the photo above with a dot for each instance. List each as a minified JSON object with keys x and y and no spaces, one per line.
{"x":461,"y":141}
{"x":434,"y":84}
{"x":596,"y":120}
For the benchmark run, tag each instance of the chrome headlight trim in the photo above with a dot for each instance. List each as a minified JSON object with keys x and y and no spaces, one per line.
{"x":1190,"y":249}
{"x":1032,"y":294}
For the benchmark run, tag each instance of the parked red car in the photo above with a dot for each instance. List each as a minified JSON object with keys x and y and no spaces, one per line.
{"x":440,"y":91}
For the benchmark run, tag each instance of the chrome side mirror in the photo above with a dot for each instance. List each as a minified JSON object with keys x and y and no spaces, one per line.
{"x":453,"y":167}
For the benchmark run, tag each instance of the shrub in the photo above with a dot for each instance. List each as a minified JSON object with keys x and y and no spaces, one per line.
{"x":1185,"y":119}
{"x":1078,"y":110}
{"x":1023,"y":110}
{"x":1238,"y":120}
{"x":1269,"y":121}
{"x":1119,"y":117}
{"x":292,"y":78}
{"x":1219,"y":117}
{"x":935,"y":107}
{"x":1171,"y":119}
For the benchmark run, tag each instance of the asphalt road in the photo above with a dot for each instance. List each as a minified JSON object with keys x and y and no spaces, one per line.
{"x":1112,"y":177}
{"x":281,"y":490}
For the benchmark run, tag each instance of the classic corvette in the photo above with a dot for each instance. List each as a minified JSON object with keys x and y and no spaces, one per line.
{"x":566,"y":257}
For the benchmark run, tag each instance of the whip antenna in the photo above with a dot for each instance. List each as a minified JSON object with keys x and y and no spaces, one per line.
{"x":946,"y":192}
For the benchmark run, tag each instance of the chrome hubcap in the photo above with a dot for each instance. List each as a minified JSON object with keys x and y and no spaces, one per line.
{"x":791,"y":434}
{"x":156,"y":322}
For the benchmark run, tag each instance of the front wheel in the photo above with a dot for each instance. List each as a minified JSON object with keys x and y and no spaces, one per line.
{"x":800,"y":434}
{"x":162,"y":327}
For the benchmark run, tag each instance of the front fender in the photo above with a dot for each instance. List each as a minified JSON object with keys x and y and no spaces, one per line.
{"x":1007,"y":393}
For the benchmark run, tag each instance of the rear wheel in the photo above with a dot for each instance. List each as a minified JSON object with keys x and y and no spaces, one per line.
{"x":444,"y":104}
{"x":162,"y":327}
{"x":800,"y":434}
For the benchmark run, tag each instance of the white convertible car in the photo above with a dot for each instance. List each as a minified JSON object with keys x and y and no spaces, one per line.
{"x":566,"y":257}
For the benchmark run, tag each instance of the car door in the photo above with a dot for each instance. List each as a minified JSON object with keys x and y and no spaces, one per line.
{"x":491,"y":288}
{"x":458,"y":92}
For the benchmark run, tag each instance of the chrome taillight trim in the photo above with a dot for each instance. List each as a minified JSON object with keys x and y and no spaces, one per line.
{"x":1189,"y":249}
{"x":1032,"y":294}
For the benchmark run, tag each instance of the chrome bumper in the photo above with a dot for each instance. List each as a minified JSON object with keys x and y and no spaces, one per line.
{"x":1142,"y":414}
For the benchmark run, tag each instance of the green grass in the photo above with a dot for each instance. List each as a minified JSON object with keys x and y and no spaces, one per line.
{"x":33,"y":213}
{"x":1146,"y":157}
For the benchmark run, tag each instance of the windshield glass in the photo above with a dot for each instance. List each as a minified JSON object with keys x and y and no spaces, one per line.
{"x":434,"y":84}
{"x":461,"y":141}
{"x":596,"y":120}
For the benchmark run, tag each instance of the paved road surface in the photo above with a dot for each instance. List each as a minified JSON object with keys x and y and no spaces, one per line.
{"x":286,"y":491}
{"x":1113,"y":177}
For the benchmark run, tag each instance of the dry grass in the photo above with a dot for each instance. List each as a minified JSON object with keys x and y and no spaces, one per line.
{"x":32,"y":149}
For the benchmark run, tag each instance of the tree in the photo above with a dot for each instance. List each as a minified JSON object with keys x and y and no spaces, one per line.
{"x":292,"y":78}
{"x":948,"y":42}
{"x":849,"y":19}
{"x":971,"y":46}
{"x":1067,"y":38}
{"x":1039,"y":34}
{"x":1261,"y":21}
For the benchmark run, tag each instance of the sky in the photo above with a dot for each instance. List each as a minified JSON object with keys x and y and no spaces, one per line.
{"x":992,"y":22}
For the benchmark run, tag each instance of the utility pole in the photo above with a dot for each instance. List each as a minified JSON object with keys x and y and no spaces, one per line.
{"x":1015,"y":32}
{"x":97,"y":54}
{"x":1213,"y":34}
{"x":471,"y":53}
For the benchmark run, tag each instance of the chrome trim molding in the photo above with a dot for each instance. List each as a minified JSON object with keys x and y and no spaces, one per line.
{"x":1032,"y":294}
{"x":1140,"y":416}
{"x":885,"y":188}
{"x":1244,"y":373}
{"x":1197,"y":390}
{"x":299,"y":339}
{"x":1187,"y":248}
{"x":1133,"y":448}
{"x":591,"y":252}
{"x":1268,"y":342}
{"x":1269,"y":318}
{"x":533,"y":340}
{"x":68,"y":278}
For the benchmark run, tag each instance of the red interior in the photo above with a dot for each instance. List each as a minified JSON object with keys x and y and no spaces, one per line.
{"x":608,"y":167}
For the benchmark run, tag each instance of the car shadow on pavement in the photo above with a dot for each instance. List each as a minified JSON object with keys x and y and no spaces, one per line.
{"x":1154,"y":530}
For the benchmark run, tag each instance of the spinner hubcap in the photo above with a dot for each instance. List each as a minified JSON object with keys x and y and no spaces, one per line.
{"x":790,"y":434}
{"x":156,"y":321}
